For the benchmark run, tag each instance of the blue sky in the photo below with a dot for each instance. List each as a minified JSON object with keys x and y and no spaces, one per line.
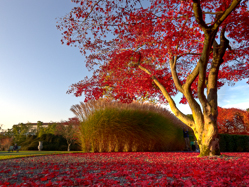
{"x":36,"y":70}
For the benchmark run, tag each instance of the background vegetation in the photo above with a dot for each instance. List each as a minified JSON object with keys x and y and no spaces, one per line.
{"x":51,"y":142}
{"x":29,"y":140}
{"x":114,"y":127}
{"x":234,"y":143}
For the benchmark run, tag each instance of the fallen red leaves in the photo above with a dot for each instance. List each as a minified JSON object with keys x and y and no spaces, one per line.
{"x":126,"y":169}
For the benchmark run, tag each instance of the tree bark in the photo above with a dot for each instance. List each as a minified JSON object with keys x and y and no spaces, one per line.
{"x":68,"y":147}
{"x":209,"y":141}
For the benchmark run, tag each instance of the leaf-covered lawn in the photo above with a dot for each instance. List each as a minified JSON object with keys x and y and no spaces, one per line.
{"x":126,"y":169}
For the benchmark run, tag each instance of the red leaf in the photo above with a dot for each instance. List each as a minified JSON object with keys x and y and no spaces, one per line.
{"x":44,"y":179}
{"x":49,"y":183}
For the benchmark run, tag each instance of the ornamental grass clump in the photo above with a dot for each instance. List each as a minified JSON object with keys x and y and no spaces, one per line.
{"x":108,"y":126}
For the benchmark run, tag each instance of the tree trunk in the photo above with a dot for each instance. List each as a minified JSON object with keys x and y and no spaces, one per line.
{"x":68,"y":147}
{"x":208,"y":140}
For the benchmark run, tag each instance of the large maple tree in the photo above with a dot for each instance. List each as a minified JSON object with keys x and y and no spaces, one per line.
{"x":154,"y":49}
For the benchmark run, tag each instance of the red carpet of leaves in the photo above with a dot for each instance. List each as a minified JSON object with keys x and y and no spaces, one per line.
{"x":126,"y":169}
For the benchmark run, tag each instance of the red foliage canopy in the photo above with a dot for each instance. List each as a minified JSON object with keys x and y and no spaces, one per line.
{"x":114,"y":35}
{"x":233,"y":121}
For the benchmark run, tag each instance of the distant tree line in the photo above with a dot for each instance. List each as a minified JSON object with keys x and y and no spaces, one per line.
{"x":63,"y":134}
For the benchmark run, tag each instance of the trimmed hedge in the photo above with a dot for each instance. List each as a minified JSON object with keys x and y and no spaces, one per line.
{"x":234,"y":143}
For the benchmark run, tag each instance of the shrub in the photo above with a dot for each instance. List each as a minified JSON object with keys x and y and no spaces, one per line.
{"x":5,"y":143}
{"x":51,"y":142}
{"x":32,"y":146}
{"x":234,"y":143}
{"x":75,"y":147}
{"x":31,"y":143}
{"x":59,"y":139}
{"x":111,"y":126}
{"x":63,"y":148}
{"x":47,"y":137}
{"x":222,"y":143}
{"x":48,"y":146}
{"x":231,"y":145}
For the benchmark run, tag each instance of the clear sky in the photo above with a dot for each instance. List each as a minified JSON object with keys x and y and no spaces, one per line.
{"x":36,"y":70}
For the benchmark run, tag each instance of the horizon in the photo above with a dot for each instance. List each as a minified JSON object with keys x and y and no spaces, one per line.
{"x":37,"y":70}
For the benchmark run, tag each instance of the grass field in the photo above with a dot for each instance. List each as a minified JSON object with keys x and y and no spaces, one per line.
{"x":9,"y":155}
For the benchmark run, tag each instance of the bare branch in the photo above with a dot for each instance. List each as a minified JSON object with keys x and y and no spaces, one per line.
{"x":140,"y":3}
{"x":239,"y":61}
{"x":92,"y":10}
{"x":188,"y":54}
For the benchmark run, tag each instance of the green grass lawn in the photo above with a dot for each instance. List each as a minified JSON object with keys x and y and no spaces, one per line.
{"x":6,"y":155}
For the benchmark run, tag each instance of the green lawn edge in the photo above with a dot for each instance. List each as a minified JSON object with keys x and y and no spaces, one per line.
{"x":5,"y":155}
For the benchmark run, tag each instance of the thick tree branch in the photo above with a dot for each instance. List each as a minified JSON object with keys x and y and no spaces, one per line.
{"x":224,"y":42}
{"x":196,"y":109}
{"x":186,"y":90}
{"x":218,"y":54}
{"x":202,"y":63}
{"x":218,"y":22}
{"x":209,"y":38}
{"x":201,"y":85}
{"x":191,"y":77}
{"x":176,"y":80}
{"x":172,"y":104}
{"x":188,"y":83}
{"x":198,"y":14}
{"x":144,"y":69}
{"x":212,"y":82}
